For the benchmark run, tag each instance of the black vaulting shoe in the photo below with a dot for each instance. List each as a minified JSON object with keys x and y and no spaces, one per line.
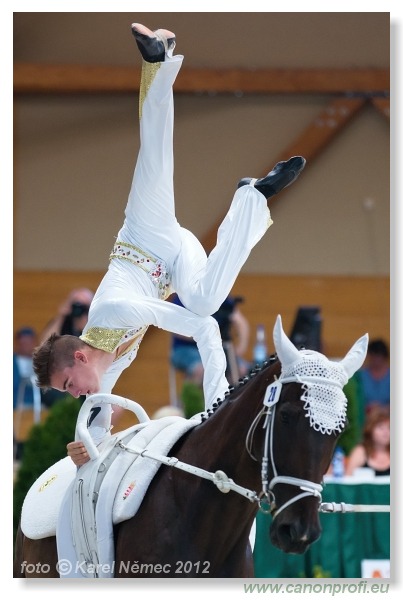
{"x":153,"y":45}
{"x":283,"y":174}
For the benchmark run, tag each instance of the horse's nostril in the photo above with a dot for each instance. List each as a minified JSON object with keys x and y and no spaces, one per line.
{"x":287,"y":530}
{"x":294,"y":533}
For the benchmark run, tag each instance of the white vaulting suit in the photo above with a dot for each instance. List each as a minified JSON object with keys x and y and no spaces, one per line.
{"x":154,"y":256}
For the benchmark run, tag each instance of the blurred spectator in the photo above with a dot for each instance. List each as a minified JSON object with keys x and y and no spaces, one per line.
{"x":72,"y":315}
{"x":27,"y":397}
{"x":71,"y":319}
{"x":374,"y":376}
{"x":374,"y":451}
{"x":352,"y":434}
{"x":185,"y":357}
{"x":234,"y":329}
{"x":25,"y":341}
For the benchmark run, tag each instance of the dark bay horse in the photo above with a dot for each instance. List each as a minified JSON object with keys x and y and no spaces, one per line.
{"x":274,"y":434}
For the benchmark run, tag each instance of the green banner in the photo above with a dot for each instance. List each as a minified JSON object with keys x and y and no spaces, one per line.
{"x":346,"y":538}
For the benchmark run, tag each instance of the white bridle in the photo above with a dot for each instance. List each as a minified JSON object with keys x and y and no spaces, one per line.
{"x":310,"y":374}
{"x":267,"y":500}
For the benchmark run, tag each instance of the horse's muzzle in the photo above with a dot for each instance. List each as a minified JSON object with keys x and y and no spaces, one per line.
{"x":294,"y":536}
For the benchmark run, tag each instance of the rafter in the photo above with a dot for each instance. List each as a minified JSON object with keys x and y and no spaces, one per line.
{"x":382,"y":105}
{"x":310,"y":143}
{"x":64,"y":79}
{"x":324,"y":128}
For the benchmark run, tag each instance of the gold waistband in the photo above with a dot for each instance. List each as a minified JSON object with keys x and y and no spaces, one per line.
{"x":154,"y":267}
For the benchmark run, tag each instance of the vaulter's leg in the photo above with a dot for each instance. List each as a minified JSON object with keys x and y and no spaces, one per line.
{"x":150,"y":213}
{"x":247,"y":220}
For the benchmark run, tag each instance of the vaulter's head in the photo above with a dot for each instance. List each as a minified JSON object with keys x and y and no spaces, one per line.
{"x":67,"y":364}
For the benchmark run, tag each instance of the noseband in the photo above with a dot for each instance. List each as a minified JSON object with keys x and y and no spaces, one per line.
{"x":267,"y":499}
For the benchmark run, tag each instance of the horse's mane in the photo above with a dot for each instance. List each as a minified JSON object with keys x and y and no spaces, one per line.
{"x":234,"y":389}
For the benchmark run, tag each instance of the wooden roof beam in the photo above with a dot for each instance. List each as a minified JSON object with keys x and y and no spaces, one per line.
{"x":319,"y":134}
{"x":382,"y":105}
{"x":324,"y":128}
{"x":64,"y":79}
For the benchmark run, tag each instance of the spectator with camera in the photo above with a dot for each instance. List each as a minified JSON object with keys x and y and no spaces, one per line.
{"x":185,"y":357}
{"x":71,"y":318}
{"x":234,"y":329}
{"x":72,"y":315}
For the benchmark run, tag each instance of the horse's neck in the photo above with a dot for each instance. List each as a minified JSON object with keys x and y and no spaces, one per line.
{"x":223,"y":436}
{"x":246,"y":401}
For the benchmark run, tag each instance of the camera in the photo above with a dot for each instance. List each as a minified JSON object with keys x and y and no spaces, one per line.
{"x":223,"y":316}
{"x":78,"y":309}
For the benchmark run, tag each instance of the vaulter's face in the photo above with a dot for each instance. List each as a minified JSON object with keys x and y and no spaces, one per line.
{"x":79,"y":380}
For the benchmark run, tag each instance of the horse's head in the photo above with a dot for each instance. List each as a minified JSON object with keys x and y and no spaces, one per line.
{"x":305,"y":414}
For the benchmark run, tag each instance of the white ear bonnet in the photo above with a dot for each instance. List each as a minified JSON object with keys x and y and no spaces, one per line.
{"x":322,"y":380}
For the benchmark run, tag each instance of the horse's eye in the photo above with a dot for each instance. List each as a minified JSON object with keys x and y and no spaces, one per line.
{"x":284,"y":417}
{"x":289,"y":414}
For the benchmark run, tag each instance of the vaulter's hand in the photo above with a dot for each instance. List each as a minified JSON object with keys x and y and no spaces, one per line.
{"x":77,"y":453}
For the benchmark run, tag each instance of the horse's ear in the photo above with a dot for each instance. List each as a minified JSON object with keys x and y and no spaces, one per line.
{"x":285,"y":349}
{"x":355,"y":356}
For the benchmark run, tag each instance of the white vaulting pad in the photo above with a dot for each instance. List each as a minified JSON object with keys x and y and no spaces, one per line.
{"x":128,"y":478}
{"x":122,"y":488}
{"x":158,"y":437}
{"x":42,"y":503}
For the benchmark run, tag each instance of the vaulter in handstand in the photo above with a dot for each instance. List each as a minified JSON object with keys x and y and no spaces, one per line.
{"x":154,"y":256}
